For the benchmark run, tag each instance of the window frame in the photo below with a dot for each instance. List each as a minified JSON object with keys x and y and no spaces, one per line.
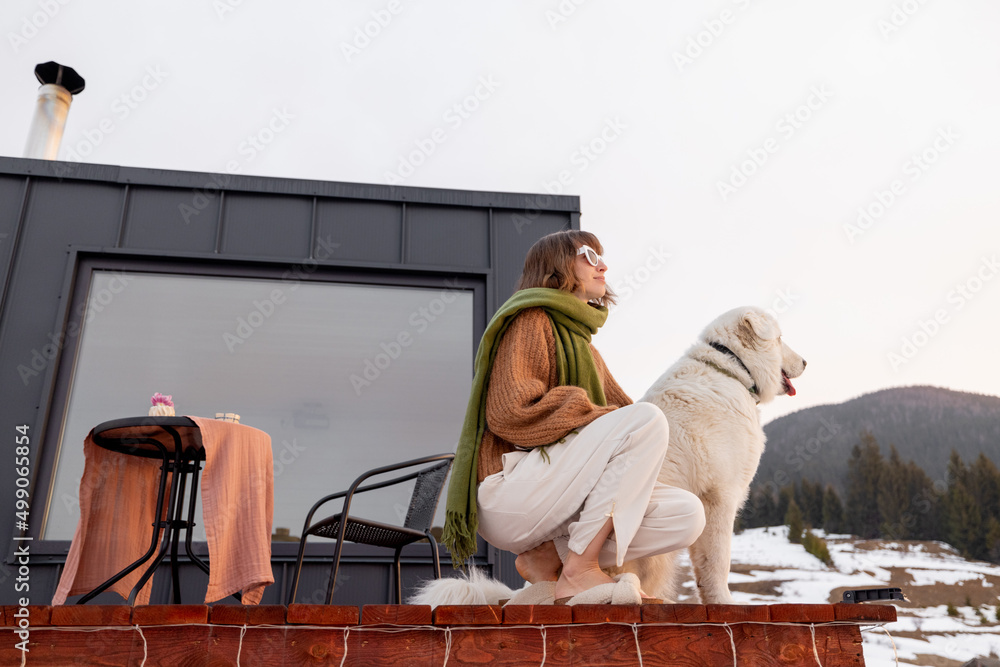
{"x":81,"y":266}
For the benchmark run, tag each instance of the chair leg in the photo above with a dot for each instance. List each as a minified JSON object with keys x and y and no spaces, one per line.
{"x":333,"y":573}
{"x":399,"y":577}
{"x":298,"y":569}
{"x":434,"y":553}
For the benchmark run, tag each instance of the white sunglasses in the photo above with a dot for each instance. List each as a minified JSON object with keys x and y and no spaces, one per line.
{"x":590,"y":253}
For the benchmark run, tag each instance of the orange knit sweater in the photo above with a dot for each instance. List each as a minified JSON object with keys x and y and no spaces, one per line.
{"x":524,"y":405}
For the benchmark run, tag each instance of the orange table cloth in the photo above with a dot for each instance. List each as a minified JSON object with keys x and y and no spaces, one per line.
{"x":117,"y":499}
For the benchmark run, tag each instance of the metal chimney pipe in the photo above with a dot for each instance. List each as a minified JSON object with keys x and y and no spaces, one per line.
{"x":59,"y":85}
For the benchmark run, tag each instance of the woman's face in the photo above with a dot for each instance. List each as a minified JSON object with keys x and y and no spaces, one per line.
{"x":589,"y":276}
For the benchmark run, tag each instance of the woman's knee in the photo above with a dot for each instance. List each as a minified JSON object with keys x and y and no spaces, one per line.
{"x":652,"y":423}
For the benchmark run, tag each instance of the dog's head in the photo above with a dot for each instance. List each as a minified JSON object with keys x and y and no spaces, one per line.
{"x":753,"y":335}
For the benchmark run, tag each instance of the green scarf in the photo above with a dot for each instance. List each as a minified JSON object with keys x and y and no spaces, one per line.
{"x":573,"y":323}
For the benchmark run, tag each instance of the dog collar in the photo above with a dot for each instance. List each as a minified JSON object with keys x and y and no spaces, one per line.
{"x":725,"y":350}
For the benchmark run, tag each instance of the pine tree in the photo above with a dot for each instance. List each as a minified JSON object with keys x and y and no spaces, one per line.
{"x":984,"y":484}
{"x":809,"y":496}
{"x":793,"y":519}
{"x":833,"y":511}
{"x":761,"y":509}
{"x":785,"y":496}
{"x":864,"y":470}
{"x":925,"y":504}
{"x":964,"y":522}
{"x":894,"y":499}
{"x":993,"y":540}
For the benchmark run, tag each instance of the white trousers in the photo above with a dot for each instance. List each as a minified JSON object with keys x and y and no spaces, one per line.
{"x":607,"y":469}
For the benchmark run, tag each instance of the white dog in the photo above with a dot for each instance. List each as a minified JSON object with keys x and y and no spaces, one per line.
{"x":710,"y":397}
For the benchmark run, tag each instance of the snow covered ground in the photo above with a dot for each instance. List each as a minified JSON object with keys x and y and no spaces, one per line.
{"x":768,"y":569}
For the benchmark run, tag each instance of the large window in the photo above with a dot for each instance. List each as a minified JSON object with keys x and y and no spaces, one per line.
{"x":343,"y":376}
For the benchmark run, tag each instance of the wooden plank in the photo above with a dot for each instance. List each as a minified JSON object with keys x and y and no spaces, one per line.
{"x":169,"y":614}
{"x":737,"y":613}
{"x":313,"y":646}
{"x":38,"y":615}
{"x":58,"y":648}
{"x":375,"y":647}
{"x":608,"y":645}
{"x":93,"y":615}
{"x":266,"y":614}
{"x":506,"y":646}
{"x":674,"y":613}
{"x":396,"y":614}
{"x":685,"y":645}
{"x":874,"y":613}
{"x":166,"y":646}
{"x":801,"y":613}
{"x":321,"y":614}
{"x":257,"y":646}
{"x":468,"y":614}
{"x":537,"y":614}
{"x":228,"y":614}
{"x":607,"y":613}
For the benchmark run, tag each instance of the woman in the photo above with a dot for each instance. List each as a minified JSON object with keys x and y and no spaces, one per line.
{"x":555,"y":463}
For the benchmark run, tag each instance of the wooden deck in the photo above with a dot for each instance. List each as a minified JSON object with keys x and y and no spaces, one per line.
{"x":376,"y":635}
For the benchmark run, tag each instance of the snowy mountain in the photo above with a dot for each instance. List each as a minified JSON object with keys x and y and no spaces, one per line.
{"x":924,"y":423}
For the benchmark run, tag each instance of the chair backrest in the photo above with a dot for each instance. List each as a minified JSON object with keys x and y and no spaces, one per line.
{"x":426,"y":493}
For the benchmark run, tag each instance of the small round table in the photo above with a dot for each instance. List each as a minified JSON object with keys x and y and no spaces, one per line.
{"x":176,"y":441}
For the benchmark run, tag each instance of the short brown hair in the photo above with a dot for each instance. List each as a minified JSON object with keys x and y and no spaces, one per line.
{"x":550,"y":260}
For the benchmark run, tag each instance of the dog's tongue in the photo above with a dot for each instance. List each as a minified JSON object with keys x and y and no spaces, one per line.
{"x":788,"y":384}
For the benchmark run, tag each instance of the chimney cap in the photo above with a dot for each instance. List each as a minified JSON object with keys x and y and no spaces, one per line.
{"x":53,"y":72}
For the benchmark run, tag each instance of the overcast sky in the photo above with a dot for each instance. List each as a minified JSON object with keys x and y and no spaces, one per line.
{"x":836,"y":162}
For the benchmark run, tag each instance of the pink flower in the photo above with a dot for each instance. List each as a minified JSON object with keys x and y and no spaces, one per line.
{"x":160,"y":399}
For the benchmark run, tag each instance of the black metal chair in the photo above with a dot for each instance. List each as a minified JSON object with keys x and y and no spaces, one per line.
{"x":423,"y":504}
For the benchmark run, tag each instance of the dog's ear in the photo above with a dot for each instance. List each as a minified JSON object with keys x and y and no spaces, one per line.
{"x":755,"y":327}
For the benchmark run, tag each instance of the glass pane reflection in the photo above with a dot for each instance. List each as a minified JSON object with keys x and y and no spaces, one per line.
{"x":343,"y":377}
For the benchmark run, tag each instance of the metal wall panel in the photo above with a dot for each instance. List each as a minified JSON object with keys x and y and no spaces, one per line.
{"x":514,"y":232}
{"x":171,"y":219}
{"x":267,"y":226}
{"x":59,"y":215}
{"x":363,"y":231}
{"x":445,"y":236}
